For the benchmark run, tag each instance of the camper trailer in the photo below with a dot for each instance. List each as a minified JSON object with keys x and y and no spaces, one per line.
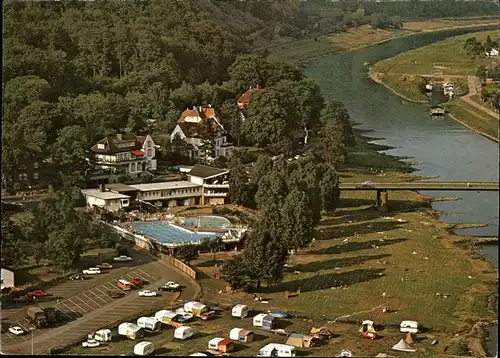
{"x":277,"y":350}
{"x":195,"y":308}
{"x":264,"y":321}
{"x":144,"y":348}
{"x":409,"y":326}
{"x":130,"y":330}
{"x":241,"y":335}
{"x":183,"y":332}
{"x":240,"y":311}
{"x":220,"y":345}
{"x":102,"y":335}
{"x":149,"y":323}
{"x":124,"y":284}
{"x":164,"y":316}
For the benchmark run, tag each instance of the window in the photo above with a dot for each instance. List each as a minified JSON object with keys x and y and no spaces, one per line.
{"x":35,"y":165}
{"x":100,"y":146}
{"x":149,"y":144}
{"x":20,"y":177}
{"x":35,"y":175}
{"x":150,"y":152}
{"x":25,"y":176}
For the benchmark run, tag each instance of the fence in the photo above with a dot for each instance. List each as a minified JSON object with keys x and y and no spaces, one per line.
{"x":145,"y":244}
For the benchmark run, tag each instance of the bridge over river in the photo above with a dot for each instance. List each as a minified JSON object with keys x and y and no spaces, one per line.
{"x":383,"y":188}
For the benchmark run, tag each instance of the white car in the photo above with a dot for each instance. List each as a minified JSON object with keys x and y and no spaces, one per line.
{"x":172,"y":284}
{"x":122,"y":258}
{"x":91,"y":343}
{"x":16,"y":330}
{"x":92,"y":271}
{"x":147,"y":293}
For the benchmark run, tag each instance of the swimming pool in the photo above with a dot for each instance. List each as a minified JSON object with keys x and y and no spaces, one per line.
{"x":166,"y":233}
{"x":206,"y":221}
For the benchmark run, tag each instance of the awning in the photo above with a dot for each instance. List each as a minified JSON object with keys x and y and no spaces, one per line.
{"x":137,"y":152}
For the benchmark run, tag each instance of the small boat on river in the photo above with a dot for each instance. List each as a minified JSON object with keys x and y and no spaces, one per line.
{"x":437,"y":111}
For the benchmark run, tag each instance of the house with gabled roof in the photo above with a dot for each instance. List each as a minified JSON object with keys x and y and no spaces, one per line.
{"x":123,"y":154}
{"x":245,"y":98}
{"x":198,"y":126}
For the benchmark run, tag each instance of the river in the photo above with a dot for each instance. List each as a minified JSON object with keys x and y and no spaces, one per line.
{"x":444,"y":147}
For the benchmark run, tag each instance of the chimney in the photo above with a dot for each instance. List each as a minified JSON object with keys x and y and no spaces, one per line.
{"x":119,"y":136}
{"x":102,"y":188}
{"x":209,"y":106}
{"x":257,"y":87}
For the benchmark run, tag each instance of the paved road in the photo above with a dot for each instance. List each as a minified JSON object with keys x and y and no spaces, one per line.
{"x":475,"y":85}
{"x":454,"y":186}
{"x":97,"y":310}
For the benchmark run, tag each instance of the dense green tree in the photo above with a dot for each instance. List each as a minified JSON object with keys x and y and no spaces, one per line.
{"x":264,"y":254}
{"x":270,"y":121}
{"x":238,"y":182}
{"x":231,"y":120}
{"x":23,"y":90}
{"x":261,"y":168}
{"x":187,"y":253}
{"x":336,"y":111}
{"x":247,"y":71}
{"x":297,"y":220}
{"x":14,"y":252}
{"x":235,"y":272}
{"x":329,"y":189}
{"x":331,"y":143}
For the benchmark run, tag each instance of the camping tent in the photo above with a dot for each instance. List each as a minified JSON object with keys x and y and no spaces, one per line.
{"x":241,"y":335}
{"x":403,"y":346}
{"x":300,"y":340}
{"x":196,"y":308}
{"x":367,"y":330}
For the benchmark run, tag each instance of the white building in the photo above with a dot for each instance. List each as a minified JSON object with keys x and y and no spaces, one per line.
{"x":108,"y":200}
{"x":193,"y":126}
{"x":214,"y":182}
{"x":123,"y":154}
{"x":205,"y":186}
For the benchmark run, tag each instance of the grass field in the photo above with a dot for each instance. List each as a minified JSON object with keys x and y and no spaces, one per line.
{"x":478,"y":120}
{"x":447,"y":56}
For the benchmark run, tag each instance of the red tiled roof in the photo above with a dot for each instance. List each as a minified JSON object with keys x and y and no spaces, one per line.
{"x":203,"y":112}
{"x":244,"y":100}
{"x":137,"y":152}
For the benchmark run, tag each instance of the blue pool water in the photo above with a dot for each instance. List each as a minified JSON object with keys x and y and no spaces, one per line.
{"x":166,"y":233}
{"x":207,"y":221}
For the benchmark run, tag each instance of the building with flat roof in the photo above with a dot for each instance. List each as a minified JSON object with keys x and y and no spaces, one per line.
{"x":206,"y":186}
{"x":105,"y":199}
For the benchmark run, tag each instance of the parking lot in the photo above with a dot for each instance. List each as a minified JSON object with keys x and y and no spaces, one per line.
{"x":90,"y":307}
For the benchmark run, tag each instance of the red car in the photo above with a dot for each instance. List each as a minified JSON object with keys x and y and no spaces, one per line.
{"x":137,"y":282}
{"x":37,"y":293}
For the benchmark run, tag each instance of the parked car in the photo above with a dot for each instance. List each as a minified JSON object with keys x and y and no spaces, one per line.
{"x":122,"y":258}
{"x":16,"y":330}
{"x":104,"y":266}
{"x":37,"y":293}
{"x":91,"y":343}
{"x":207,"y":316}
{"x":23,"y":299}
{"x":169,"y":286}
{"x":92,"y":271}
{"x":117,"y":294}
{"x":147,"y":293}
{"x":76,"y":277}
{"x":137,"y":282}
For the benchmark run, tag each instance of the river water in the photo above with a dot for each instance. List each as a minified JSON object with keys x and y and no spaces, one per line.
{"x":444,"y":147}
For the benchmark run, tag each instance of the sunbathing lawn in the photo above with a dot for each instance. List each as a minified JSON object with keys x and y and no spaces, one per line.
{"x":474,"y":117}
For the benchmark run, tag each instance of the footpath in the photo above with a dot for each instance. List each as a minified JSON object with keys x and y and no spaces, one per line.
{"x":475,"y":85}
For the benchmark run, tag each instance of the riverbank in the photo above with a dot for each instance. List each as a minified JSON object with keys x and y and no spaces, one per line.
{"x":402,"y":75}
{"x":305,"y":50}
{"x":406,"y":253}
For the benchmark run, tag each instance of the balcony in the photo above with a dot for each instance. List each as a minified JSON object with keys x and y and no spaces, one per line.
{"x":214,"y":194}
{"x":216,"y":186}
